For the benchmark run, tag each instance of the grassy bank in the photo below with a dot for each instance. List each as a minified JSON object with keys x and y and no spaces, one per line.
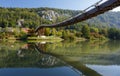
{"x":44,"y":38}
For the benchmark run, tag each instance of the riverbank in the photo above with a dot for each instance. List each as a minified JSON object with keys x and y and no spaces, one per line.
{"x":35,"y":39}
{"x":45,"y":39}
{"x":50,"y":38}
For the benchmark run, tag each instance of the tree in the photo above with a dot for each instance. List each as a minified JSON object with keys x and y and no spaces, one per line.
{"x":47,"y":31}
{"x":104,"y":32}
{"x":114,"y":33}
{"x":54,"y":32}
{"x":94,"y":30}
{"x":64,"y":35}
{"x":59,"y":33}
{"x":86,"y":31}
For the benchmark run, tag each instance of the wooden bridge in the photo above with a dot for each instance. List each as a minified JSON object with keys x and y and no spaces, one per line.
{"x":92,"y":11}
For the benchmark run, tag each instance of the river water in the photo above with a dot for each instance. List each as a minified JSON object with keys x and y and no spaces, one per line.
{"x":85,"y":58}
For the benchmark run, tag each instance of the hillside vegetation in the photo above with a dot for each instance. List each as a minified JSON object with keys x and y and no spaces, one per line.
{"x":34,"y":17}
{"x":100,"y":27}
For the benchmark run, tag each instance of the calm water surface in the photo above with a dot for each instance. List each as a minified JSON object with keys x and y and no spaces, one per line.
{"x":88,"y":58}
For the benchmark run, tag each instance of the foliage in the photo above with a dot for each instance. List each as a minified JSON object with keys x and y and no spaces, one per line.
{"x":108,"y":19}
{"x":94,"y":30}
{"x":114,"y":33}
{"x":9,"y":17}
{"x":47,"y":31}
{"x":104,"y":32}
{"x":86,"y":31}
{"x":67,"y":35}
{"x":97,"y":27}
{"x":54,"y":32}
{"x":12,"y":32}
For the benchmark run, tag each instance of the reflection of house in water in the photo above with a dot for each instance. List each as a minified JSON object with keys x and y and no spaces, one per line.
{"x":20,"y":52}
{"x":26,"y":57}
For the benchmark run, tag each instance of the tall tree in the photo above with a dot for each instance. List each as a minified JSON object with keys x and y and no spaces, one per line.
{"x":47,"y":31}
{"x":86,"y":31}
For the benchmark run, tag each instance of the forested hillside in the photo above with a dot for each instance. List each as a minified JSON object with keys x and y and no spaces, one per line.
{"x":33,"y":17}
{"x":110,"y":19}
{"x":10,"y":17}
{"x":95,"y":28}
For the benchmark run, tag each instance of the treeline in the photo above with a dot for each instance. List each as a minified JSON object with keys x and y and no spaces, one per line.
{"x":84,"y":31}
{"x":110,"y":19}
{"x":114,"y":33}
{"x":13,"y":33}
{"x":9,"y":17}
{"x":32,"y":17}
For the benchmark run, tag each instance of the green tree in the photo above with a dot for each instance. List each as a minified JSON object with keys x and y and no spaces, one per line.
{"x":64,"y":35}
{"x":114,"y":33}
{"x":104,"y":32}
{"x":47,"y":31}
{"x":59,"y":33}
{"x":86,"y":31}
{"x":54,"y":32}
{"x":94,"y":30}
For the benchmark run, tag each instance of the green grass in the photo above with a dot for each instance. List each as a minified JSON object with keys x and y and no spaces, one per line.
{"x":46,"y":39}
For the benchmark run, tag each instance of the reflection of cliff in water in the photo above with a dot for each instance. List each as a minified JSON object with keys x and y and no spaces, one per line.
{"x":74,"y":54}
{"x":26,"y":56}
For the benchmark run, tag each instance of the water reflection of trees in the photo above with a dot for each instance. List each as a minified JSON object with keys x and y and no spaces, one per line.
{"x":25,"y":55}
{"x":28,"y":55}
{"x":74,"y":65}
{"x":74,"y":53}
{"x":76,"y":48}
{"x":93,"y":52}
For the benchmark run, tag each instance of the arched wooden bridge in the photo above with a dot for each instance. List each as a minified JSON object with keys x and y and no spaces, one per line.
{"x":92,"y":11}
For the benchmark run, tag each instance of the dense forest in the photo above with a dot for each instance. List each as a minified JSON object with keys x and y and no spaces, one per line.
{"x":110,"y":19}
{"x":100,"y":27}
{"x":32,"y":17}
